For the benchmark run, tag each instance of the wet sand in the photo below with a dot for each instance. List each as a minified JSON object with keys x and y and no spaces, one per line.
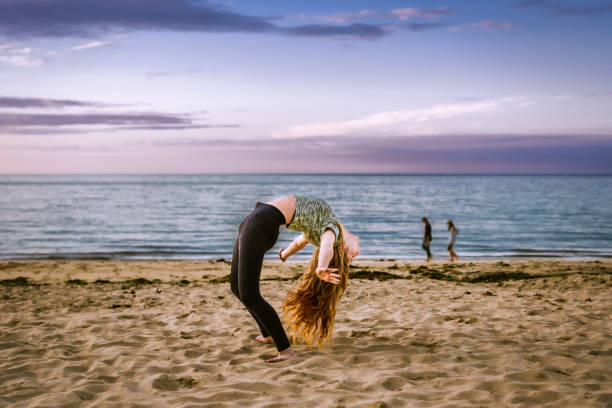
{"x":160,"y":334}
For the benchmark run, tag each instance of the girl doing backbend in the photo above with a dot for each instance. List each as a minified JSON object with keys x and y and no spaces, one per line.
{"x":311,"y":307}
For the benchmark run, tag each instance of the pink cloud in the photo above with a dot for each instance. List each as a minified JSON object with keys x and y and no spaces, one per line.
{"x":402,"y":14}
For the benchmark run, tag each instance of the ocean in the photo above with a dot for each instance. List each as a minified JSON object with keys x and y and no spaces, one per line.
{"x":196,"y":216}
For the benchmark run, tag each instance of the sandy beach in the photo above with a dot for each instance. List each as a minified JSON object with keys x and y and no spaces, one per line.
{"x":171,"y":334}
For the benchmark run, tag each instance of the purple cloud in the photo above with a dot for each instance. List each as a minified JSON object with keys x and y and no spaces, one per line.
{"x":82,"y":123}
{"x":439,"y":154}
{"x":24,"y":119}
{"x":69,"y":18}
{"x":360,"y":30}
{"x":488,"y":25}
{"x":435,"y":154}
{"x":594,"y":10}
{"x":417,"y":27}
{"x":568,"y":10}
{"x":22,"y":123}
{"x":532,"y":3}
{"x":12,"y":102}
{"x":181,"y":127}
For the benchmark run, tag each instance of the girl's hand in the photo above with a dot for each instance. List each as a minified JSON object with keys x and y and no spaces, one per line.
{"x":329,"y":275}
{"x":280,"y":254}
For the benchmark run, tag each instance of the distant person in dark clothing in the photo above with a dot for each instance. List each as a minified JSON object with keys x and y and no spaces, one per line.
{"x":427,"y":239}
{"x":452,"y":237}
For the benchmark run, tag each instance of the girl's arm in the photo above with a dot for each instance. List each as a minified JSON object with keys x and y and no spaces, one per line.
{"x":326,"y":253}
{"x":298,"y":244}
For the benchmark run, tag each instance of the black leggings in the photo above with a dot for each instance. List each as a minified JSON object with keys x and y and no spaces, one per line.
{"x":257,"y":234}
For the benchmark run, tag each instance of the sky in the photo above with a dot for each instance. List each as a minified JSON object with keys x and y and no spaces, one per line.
{"x":243,"y":86}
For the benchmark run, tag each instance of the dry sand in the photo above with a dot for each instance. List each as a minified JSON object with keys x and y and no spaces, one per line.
{"x":538,"y":335}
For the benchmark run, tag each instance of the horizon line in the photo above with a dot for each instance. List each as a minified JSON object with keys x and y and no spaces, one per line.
{"x":319,"y":174}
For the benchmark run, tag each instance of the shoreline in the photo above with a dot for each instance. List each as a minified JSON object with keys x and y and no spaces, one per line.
{"x":306,"y":259}
{"x":170,"y":270}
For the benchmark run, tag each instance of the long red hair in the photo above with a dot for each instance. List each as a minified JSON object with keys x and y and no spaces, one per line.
{"x":310,"y":308}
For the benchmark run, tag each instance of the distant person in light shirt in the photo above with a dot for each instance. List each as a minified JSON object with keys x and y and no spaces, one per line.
{"x":452,"y":237}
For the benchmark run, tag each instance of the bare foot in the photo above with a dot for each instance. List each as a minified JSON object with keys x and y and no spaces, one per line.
{"x":284,"y":355}
{"x":265,"y":340}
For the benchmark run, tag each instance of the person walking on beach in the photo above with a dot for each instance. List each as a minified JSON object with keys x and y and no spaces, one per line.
{"x":452,"y":237}
{"x":311,"y":306}
{"x":427,"y":239}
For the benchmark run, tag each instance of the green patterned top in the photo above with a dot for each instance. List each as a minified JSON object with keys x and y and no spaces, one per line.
{"x":312,"y":217}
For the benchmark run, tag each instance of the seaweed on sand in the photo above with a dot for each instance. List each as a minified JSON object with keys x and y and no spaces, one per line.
{"x":223,"y":279}
{"x":142,"y":281}
{"x":500,"y":277}
{"x":80,"y":282}
{"x":19,"y":281}
{"x":375,"y":275}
